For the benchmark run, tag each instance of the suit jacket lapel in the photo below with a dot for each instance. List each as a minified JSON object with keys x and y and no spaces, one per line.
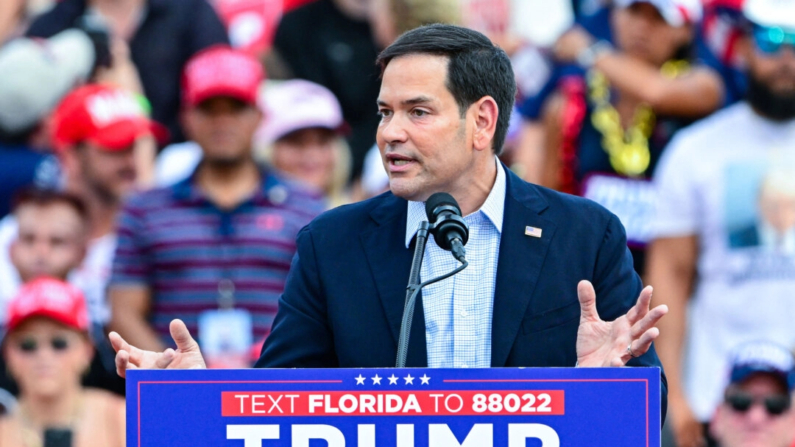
{"x":390,"y":262}
{"x":519,"y":264}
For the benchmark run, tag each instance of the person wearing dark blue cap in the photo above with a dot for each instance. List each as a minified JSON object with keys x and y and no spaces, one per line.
{"x":757,"y":405}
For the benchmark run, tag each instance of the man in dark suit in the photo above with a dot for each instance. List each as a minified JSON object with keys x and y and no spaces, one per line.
{"x":443,"y":92}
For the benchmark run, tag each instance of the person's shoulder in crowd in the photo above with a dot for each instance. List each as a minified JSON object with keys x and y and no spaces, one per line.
{"x":707,"y":134}
{"x":104,"y":419}
{"x":577,"y":215}
{"x":358,"y":214}
{"x":291,"y":29}
{"x":150,"y":199}
{"x":20,"y":167}
{"x":281,"y":191}
{"x":106,"y":405}
{"x":62,"y":16}
{"x":299,"y":194}
{"x":65,"y":13}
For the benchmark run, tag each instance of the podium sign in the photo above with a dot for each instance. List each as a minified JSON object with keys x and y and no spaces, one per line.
{"x":513,"y":407}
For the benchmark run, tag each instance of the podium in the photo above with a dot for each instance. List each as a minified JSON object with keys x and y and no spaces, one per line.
{"x":389,"y":407}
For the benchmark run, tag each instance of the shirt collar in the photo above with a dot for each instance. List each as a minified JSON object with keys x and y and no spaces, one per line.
{"x":272,"y":190}
{"x":493,"y":208}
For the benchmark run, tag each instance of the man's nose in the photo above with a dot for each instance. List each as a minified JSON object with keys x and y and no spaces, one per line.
{"x":393,"y":130}
{"x":42,"y":249}
{"x":757,"y":414}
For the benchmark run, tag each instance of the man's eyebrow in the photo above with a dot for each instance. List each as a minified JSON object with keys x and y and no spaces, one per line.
{"x":409,"y":102}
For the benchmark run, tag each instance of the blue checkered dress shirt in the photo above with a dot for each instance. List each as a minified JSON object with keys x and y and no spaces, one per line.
{"x":458,"y":310}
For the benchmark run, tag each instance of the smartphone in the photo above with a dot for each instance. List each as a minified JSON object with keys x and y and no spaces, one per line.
{"x":57,"y":437}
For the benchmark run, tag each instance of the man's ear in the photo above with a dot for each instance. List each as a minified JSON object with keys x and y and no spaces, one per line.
{"x":485,"y":112}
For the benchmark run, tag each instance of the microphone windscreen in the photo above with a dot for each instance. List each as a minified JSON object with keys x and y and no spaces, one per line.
{"x":437,"y":200}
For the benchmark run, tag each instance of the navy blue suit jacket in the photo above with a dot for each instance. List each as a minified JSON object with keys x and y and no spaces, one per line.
{"x":343,"y":302}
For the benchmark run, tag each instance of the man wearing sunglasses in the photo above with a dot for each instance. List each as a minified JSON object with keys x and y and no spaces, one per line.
{"x":757,"y":405}
{"x":723,"y":255}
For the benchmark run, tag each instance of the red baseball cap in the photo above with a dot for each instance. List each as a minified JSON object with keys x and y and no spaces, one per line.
{"x":50,"y":298}
{"x":221,"y":71}
{"x":107,"y":116}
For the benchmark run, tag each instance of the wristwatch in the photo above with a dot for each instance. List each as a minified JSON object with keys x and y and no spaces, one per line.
{"x":588,"y":56}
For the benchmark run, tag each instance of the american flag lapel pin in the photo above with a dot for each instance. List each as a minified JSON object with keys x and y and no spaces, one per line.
{"x":532,"y":232}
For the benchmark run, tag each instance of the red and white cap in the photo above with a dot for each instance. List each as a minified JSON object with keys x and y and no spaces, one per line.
{"x":221,"y":71}
{"x":675,"y":12}
{"x":50,"y":298}
{"x":106,"y":116}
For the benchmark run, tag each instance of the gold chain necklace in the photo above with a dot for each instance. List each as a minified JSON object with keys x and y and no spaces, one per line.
{"x":628,"y":149}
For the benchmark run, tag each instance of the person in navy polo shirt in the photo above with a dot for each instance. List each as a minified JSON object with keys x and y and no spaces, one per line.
{"x":214,"y":249}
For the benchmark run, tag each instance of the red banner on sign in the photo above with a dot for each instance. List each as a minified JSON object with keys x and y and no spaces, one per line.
{"x":404,"y":403}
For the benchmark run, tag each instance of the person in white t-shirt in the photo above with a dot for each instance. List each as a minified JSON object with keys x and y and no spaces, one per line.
{"x":723,"y":258}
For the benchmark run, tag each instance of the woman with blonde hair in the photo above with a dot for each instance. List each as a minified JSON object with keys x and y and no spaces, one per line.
{"x":301,"y":137}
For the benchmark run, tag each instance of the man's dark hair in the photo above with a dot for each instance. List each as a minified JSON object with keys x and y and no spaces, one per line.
{"x":476,"y":67}
{"x":45,"y":197}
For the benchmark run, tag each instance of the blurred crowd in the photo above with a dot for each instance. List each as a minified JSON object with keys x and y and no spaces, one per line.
{"x":159,"y":157}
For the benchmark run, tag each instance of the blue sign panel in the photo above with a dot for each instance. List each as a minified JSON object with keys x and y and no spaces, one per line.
{"x":513,"y":407}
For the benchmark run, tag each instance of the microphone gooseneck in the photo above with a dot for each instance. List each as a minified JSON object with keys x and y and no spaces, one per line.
{"x":451,"y":233}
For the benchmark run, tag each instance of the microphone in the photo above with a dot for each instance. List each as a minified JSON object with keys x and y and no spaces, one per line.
{"x":447,"y":226}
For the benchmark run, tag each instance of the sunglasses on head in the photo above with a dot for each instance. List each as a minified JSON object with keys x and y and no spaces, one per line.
{"x":775,"y":404}
{"x":31,"y":345}
{"x":770,"y":40}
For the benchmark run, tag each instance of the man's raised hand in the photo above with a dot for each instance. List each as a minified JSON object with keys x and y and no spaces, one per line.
{"x":186,"y":356}
{"x":614,"y":343}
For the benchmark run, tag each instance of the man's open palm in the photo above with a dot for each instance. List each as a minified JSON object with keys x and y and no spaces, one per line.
{"x":614,"y":343}
{"x":186,"y":356}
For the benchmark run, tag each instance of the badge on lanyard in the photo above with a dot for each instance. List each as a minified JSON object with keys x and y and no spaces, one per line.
{"x":225,"y":334}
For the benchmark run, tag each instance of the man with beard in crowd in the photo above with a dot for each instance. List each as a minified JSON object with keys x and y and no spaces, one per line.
{"x":721,"y":292}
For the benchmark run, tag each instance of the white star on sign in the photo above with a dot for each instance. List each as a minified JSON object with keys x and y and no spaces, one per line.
{"x":376,"y":380}
{"x":393,"y":380}
{"x":409,"y":380}
{"x":425,"y":379}
{"x":359,"y":380}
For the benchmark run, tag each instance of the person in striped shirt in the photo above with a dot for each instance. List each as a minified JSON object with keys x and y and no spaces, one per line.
{"x":214,"y":249}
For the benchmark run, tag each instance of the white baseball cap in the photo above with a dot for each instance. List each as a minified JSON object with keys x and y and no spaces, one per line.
{"x":771,"y":13}
{"x":675,"y":12}
{"x":297,"y":104}
{"x":36,"y":73}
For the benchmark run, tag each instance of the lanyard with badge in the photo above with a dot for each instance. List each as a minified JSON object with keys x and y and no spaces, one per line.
{"x":226,"y":333}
